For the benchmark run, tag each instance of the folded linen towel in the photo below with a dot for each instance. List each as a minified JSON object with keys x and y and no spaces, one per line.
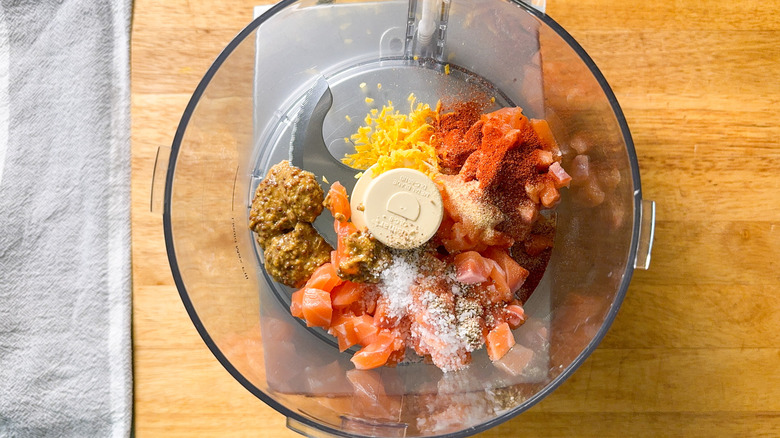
{"x":65,"y":295}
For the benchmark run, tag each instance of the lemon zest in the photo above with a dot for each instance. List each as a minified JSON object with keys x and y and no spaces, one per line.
{"x":391,"y":140}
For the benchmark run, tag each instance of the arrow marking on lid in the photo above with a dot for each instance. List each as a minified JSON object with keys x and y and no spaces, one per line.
{"x":404,"y":204}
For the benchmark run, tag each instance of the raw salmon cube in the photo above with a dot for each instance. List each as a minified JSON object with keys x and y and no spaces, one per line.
{"x":316,"y":307}
{"x":499,"y":341}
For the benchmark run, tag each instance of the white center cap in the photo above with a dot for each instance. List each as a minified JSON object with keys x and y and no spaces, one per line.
{"x":402,"y":208}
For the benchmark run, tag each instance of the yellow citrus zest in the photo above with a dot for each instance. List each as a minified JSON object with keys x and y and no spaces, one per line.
{"x":391,"y":140}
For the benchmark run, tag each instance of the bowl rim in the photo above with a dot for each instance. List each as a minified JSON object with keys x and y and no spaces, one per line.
{"x":525,"y":405}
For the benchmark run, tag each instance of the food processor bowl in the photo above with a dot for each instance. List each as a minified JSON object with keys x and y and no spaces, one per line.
{"x":240,"y":122}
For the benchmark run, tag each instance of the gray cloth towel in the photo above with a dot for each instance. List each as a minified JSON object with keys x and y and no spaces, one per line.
{"x":65,"y":295}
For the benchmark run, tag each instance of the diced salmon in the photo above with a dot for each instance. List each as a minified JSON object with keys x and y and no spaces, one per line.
{"x":376,"y":353}
{"x":428,"y":337}
{"x":469,"y":170}
{"x":464,"y":207}
{"x":515,"y":274}
{"x":498,"y":279}
{"x":499,"y":341}
{"x":343,"y":230}
{"x":345,"y":338}
{"x":550,"y":196}
{"x":395,"y":358}
{"x":365,"y":329}
{"x":382,"y":316}
{"x":515,"y":315}
{"x":316,"y":307}
{"x":528,"y":211}
{"x":512,"y":116}
{"x":533,"y":188}
{"x":346,"y":293}
{"x":338,"y":202}
{"x":542,"y":129}
{"x":458,"y":238}
{"x":471,"y":267}
{"x":339,"y":317}
{"x":324,"y":278}
{"x":542,"y":159}
{"x":489,"y":295}
{"x":344,"y":332}
{"x":510,"y":139}
{"x":424,"y":339}
{"x":366,"y":302}
{"x":352,"y":330}
{"x":296,"y":305}
{"x":450,"y":210}
{"x":334,"y":258}
{"x":339,"y":205}
{"x":369,"y":300}
{"x":559,"y":176}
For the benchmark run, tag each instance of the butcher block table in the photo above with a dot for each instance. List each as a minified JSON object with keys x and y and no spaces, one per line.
{"x":695,"y":348}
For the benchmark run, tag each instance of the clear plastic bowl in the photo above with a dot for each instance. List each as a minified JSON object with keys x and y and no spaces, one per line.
{"x":238,"y":124}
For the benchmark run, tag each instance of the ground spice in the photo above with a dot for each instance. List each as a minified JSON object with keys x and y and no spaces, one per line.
{"x":505,"y":163}
{"x":507,"y":144}
{"x":494,"y":148}
{"x":458,"y":133}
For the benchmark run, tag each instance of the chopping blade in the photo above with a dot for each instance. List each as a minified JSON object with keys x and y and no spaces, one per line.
{"x":309,"y":152}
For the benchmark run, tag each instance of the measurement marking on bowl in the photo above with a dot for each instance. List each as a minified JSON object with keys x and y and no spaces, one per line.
{"x":233,"y":195}
{"x":233,"y":222}
{"x":238,"y":251}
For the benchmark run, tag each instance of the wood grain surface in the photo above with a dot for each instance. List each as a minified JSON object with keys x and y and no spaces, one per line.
{"x":695,"y":349}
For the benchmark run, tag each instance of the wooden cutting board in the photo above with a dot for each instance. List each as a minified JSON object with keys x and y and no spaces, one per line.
{"x":695,"y":349}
